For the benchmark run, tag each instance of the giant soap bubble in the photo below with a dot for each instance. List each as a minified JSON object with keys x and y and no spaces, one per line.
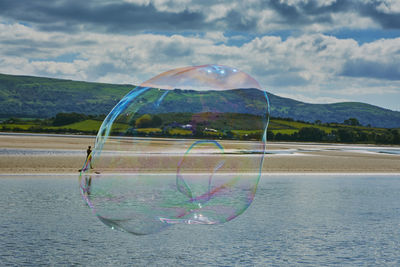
{"x":185,"y":147}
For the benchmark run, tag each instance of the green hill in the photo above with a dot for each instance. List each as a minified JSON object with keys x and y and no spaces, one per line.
{"x":25,"y":96}
{"x":35,"y":97}
{"x":337,"y":112}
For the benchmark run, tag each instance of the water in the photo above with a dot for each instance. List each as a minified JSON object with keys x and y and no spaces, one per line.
{"x":318,"y":220}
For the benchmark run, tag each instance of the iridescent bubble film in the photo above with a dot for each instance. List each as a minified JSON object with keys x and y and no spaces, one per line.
{"x":185,"y":147}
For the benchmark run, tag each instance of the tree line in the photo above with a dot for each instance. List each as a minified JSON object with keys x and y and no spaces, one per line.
{"x":347,"y":132}
{"x":340,"y":135}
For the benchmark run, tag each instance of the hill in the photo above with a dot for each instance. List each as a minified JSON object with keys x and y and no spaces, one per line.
{"x":337,"y":112}
{"x":36,"y":97}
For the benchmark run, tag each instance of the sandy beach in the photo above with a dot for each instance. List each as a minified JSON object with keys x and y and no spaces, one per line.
{"x":30,"y":154}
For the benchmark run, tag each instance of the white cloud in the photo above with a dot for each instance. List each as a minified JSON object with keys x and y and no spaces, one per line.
{"x":349,"y":20}
{"x":315,"y":100}
{"x":219,"y":11}
{"x":216,"y":37}
{"x":308,"y":67}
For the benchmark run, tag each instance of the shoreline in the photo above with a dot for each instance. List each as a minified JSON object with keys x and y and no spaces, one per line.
{"x":55,"y":154}
{"x":17,"y":134}
{"x":263,"y":176}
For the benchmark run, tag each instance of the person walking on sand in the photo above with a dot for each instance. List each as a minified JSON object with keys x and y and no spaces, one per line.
{"x":88,"y":152}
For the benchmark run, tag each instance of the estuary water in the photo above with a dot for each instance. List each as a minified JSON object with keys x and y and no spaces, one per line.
{"x":295,"y":220}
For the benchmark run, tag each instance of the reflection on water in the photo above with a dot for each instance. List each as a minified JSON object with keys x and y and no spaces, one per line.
{"x":294,"y":220}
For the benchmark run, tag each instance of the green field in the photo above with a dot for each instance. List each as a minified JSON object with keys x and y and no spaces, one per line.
{"x":178,"y":131}
{"x":149,"y":130}
{"x":87,"y":126}
{"x":236,"y":128}
{"x":275,"y":126}
{"x":289,"y":127}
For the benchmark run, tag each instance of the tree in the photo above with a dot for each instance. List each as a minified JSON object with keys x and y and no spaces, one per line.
{"x":346,"y":135}
{"x":156,"y":121}
{"x":270,"y":135}
{"x":68,"y":118}
{"x":352,"y":122}
{"x":144,"y":121}
{"x":148,"y":121}
{"x":311,"y":134}
{"x":396,"y":136}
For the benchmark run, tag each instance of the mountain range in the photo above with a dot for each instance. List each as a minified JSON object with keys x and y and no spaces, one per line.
{"x":37,"y":97}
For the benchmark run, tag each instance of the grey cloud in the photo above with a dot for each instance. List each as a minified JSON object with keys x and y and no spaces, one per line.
{"x":369,"y":69}
{"x":288,"y":79}
{"x":72,"y":15}
{"x":103,"y":69}
{"x":94,"y":72}
{"x":260,"y":70}
{"x":173,"y":49}
{"x":319,"y":44}
{"x":27,"y":47}
{"x":304,"y":13}
{"x":314,"y":7}
{"x":120,"y":17}
{"x":237,"y":21}
{"x":18,"y":51}
{"x":313,"y":12}
{"x":39,"y":48}
{"x":291,"y":13}
{"x":31,"y":43}
{"x":387,"y":21}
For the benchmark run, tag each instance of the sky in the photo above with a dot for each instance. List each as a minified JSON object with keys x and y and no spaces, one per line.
{"x":312,"y":51}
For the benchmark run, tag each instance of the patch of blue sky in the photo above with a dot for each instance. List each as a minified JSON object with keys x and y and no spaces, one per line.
{"x":171,"y":33}
{"x":365,"y":35}
{"x":234,"y":38}
{"x":25,"y":24}
{"x":240,"y":38}
{"x":12,"y":22}
{"x":66,"y":58}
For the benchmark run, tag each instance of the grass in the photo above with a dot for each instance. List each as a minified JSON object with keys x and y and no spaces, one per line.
{"x":177,"y":131}
{"x":248,"y":132}
{"x":83,"y":126}
{"x":87,"y":125}
{"x":149,"y":130}
{"x":285,"y":131}
{"x":289,"y":127}
{"x":214,"y":134}
{"x":276,"y":126}
{"x":15,"y":126}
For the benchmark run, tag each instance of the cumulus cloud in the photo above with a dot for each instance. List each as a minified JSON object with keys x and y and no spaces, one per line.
{"x":306,"y":63}
{"x":379,"y":59}
{"x":129,"y":41}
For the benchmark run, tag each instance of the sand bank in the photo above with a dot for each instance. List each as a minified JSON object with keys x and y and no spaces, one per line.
{"x":66,"y":154}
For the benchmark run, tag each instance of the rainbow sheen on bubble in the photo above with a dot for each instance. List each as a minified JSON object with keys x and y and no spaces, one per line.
{"x":185,"y":147}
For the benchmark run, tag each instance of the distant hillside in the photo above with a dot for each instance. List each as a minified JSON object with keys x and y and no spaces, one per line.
{"x":337,"y":112}
{"x":25,"y":96}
